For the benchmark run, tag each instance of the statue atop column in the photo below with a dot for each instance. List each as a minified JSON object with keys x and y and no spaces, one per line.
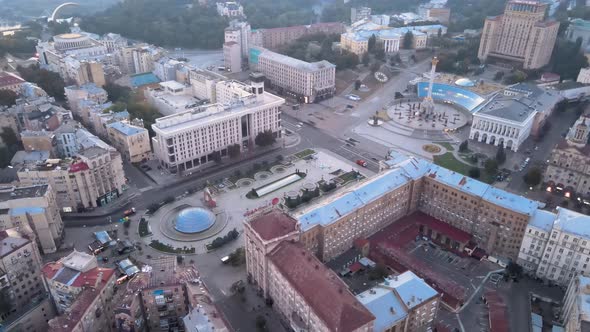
{"x":428,"y":103}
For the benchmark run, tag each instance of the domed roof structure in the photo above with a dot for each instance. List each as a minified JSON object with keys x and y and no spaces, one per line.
{"x":194,"y":220}
{"x":464,"y":82}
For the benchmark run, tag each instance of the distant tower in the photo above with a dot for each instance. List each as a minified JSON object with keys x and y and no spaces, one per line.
{"x":257,"y":84}
{"x":428,"y":104}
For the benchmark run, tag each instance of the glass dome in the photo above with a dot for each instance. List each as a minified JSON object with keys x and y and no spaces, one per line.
{"x":464,"y":82}
{"x":194,"y":220}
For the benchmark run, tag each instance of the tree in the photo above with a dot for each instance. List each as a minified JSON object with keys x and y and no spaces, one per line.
{"x":498,"y":75}
{"x":261,"y":323}
{"x":58,"y":28}
{"x":357,"y":84}
{"x":7,"y":97}
{"x":500,"y":155}
{"x":117,"y":93}
{"x":47,"y":80}
{"x":464,"y":147}
{"x":265,"y":138}
{"x":408,"y":40}
{"x":474,"y":172}
{"x":514,"y":269}
{"x":233,"y":150}
{"x":179,"y":259}
{"x":372,"y":43}
{"x":380,"y":54}
{"x":533,"y":177}
{"x":491,"y":166}
{"x":375,"y":67}
{"x":439,"y":33}
{"x":216,"y":156}
{"x":365,"y":59}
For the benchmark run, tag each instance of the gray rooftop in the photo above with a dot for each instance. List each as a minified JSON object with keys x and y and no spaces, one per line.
{"x":10,"y":193}
{"x":289,"y":61}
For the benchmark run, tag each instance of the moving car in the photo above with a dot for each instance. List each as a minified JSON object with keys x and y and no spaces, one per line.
{"x":353,"y":97}
{"x":129,"y":212}
{"x":361,"y":162}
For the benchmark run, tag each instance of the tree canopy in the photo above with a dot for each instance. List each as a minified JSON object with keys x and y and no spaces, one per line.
{"x":47,"y":80}
{"x":265,"y":138}
{"x":164,"y":23}
{"x":7,"y":97}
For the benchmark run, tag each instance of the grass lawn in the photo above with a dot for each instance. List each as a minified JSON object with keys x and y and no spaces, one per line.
{"x":304,"y":153}
{"x":449,"y":161}
{"x":446,"y":145}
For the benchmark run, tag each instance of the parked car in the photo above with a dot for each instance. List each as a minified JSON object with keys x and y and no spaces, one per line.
{"x":353,"y":97}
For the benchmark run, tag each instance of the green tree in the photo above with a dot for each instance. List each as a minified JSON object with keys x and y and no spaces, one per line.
{"x":372,"y":43}
{"x":464,"y":146}
{"x":117,"y":92}
{"x":233,"y":150}
{"x":567,"y":59}
{"x":265,"y":138}
{"x":500,"y":155}
{"x":408,"y":40}
{"x":365,"y":59}
{"x":491,"y":166}
{"x":514,"y":270}
{"x":56,"y":28}
{"x":498,"y":75}
{"x":375,"y":67}
{"x":439,"y":33}
{"x":216,"y":156}
{"x":47,"y":80}
{"x":533,"y":177}
{"x":474,"y":172}
{"x":357,"y":84}
{"x":7,"y":97}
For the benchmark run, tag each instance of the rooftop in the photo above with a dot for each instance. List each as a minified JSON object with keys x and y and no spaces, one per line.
{"x":292,"y":62}
{"x":543,"y":220}
{"x":12,"y":192}
{"x":272,"y":225}
{"x":325,"y":293}
{"x":7,"y":79}
{"x":126,"y":129}
{"x":410,"y":289}
{"x":10,"y":241}
{"x":384,"y":305}
{"x":573,"y":222}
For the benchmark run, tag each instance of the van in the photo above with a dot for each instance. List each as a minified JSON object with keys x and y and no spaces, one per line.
{"x":224,"y":259}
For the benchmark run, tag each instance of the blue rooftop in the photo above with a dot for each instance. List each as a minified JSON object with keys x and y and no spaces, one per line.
{"x":144,"y":79}
{"x":543,"y":220}
{"x":103,"y":237}
{"x":125,"y":129}
{"x":573,"y":222}
{"x":26,"y":210}
{"x":444,"y":92}
{"x":412,"y":290}
{"x":511,"y":201}
{"x":194,"y":220}
{"x":384,"y":305}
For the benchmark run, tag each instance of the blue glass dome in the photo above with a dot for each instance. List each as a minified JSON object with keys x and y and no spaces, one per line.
{"x":194,"y":220}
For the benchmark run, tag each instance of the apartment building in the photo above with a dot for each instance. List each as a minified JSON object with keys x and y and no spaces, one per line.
{"x":22,"y":284}
{"x":203,"y":83}
{"x":521,"y":35}
{"x":83,"y":72}
{"x":94,"y":178}
{"x":38,"y":141}
{"x":359,"y":14}
{"x":77,"y":95}
{"x":34,"y":210}
{"x":274,"y":38}
{"x":82,"y":293}
{"x":402,"y":303}
{"x":9,"y":81}
{"x":556,"y":246}
{"x":303,"y":81}
{"x":190,"y":139}
{"x":575,"y":313}
{"x":568,"y":170}
{"x":232,"y":57}
{"x":133,"y":142}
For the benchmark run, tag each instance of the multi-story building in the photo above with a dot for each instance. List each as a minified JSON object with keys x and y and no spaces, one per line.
{"x":71,"y":138}
{"x":38,"y":141}
{"x":35,"y":211}
{"x":87,"y":92}
{"x":232,"y":57}
{"x":359,"y":13}
{"x":575,"y":313}
{"x":171,"y":97}
{"x":584,"y":76}
{"x":94,"y":178}
{"x":113,"y":42}
{"x":82,"y":293}
{"x":230,"y":9}
{"x":397,"y":309}
{"x":144,"y":58}
{"x":435,"y":13}
{"x":356,"y":40}
{"x":304,"y":81}
{"x":9,"y":81}
{"x":133,"y":142}
{"x":568,"y":170}
{"x":83,"y":72}
{"x":556,"y":246}
{"x":190,"y":139}
{"x":512,"y":115}
{"x":204,"y":82}
{"x":274,"y":38}
{"x":236,"y":44}
{"x":22,"y":284}
{"x":521,"y":35}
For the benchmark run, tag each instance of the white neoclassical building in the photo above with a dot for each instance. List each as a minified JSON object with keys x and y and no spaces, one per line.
{"x":510,"y":116}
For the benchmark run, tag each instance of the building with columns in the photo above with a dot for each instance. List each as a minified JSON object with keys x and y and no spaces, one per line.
{"x":512,"y":115}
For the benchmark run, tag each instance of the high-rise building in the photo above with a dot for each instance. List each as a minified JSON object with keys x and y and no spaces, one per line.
{"x":304,"y":81}
{"x":237,"y":37}
{"x":133,"y":142}
{"x":35,"y":211}
{"x":22,"y":284}
{"x":521,"y":35}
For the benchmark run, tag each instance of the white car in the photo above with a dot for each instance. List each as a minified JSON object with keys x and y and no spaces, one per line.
{"x":353,"y":97}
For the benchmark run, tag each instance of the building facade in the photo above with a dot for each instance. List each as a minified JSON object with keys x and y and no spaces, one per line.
{"x":574,"y":313}
{"x":94,"y":179}
{"x":133,"y":142}
{"x":274,"y":38}
{"x":512,"y":115}
{"x":187,"y":140}
{"x":230,"y":9}
{"x":300,"y":80}
{"x":11,"y":82}
{"x":22,"y":284}
{"x":567,"y":171}
{"x":35,"y":210}
{"x":521,"y":35}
